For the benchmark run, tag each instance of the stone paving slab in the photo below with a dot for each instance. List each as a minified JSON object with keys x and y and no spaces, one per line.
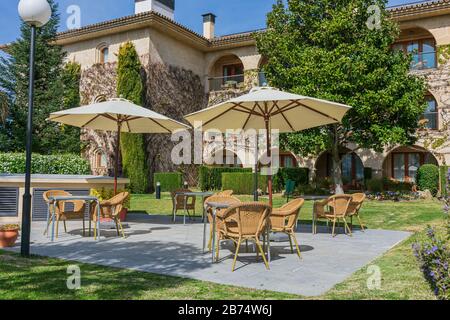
{"x":156,"y":245}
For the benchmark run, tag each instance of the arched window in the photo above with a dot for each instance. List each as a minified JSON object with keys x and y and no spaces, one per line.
{"x":431,"y":113}
{"x":103,"y":53}
{"x":100,"y":160}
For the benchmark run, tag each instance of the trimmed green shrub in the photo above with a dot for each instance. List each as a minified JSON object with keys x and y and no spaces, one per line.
{"x":169,"y":180}
{"x":444,"y":180}
{"x":428,"y":178}
{"x":242,"y":182}
{"x":70,"y":164}
{"x":210,"y":178}
{"x":375,"y":185}
{"x":299,"y":175}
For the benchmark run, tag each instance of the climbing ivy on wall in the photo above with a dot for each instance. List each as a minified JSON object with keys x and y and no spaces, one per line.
{"x":130,"y":86}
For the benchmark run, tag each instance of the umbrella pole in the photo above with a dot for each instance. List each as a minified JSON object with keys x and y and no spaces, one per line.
{"x":116,"y":166}
{"x":269,"y":155}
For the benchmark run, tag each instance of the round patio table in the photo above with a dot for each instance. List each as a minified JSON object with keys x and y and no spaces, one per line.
{"x":192,"y":194}
{"x":88,"y":199}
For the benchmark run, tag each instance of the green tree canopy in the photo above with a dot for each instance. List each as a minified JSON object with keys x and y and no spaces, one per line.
{"x":130,"y":86}
{"x":335,"y":50}
{"x":49,"y":91}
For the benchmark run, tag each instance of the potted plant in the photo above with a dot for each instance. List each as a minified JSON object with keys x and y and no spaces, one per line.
{"x":8,"y":235}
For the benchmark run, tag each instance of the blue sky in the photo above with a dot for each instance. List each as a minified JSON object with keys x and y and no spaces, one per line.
{"x":233,"y":15}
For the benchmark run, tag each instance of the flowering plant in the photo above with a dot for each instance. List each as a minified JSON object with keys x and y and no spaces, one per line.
{"x":433,"y":254}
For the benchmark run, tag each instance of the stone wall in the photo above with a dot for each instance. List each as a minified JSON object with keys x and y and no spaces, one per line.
{"x":174,"y":92}
{"x":99,"y":82}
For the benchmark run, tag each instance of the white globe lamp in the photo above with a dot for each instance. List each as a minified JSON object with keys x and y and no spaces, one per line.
{"x":35,"y":12}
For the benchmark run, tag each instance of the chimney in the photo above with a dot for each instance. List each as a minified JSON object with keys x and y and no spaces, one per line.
{"x":163,"y":7}
{"x":209,"y":24}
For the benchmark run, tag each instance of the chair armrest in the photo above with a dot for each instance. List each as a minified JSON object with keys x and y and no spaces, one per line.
{"x":282,"y":213}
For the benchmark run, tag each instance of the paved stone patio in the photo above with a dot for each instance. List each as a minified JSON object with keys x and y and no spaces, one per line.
{"x":154,"y":244}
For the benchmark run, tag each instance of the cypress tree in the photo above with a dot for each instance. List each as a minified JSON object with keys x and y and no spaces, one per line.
{"x":130,"y":86}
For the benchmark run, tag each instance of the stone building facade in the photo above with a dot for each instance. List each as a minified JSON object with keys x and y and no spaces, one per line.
{"x":184,"y":72}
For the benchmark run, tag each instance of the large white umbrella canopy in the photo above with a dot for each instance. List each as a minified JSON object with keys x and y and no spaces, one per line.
{"x":118,"y":115}
{"x":270,"y":109}
{"x":108,"y":115}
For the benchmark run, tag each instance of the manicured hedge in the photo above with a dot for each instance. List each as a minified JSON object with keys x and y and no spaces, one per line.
{"x":169,"y":180}
{"x":242,"y":182}
{"x":299,"y":175}
{"x":69,"y":164}
{"x":428,"y":178}
{"x":210,"y":178}
{"x":444,"y":175}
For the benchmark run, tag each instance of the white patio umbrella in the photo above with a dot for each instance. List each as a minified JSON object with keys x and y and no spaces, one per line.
{"x":269,"y":108}
{"x":118,"y":115}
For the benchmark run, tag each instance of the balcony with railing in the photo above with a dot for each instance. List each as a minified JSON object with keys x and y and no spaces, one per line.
{"x":236,"y":82}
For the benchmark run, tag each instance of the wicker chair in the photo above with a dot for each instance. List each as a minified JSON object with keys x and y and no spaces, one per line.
{"x":217,"y":199}
{"x":284,"y":220}
{"x":337,"y":210}
{"x":59,"y":209}
{"x":181,"y":202}
{"x":245,"y":221}
{"x":111,"y":209}
{"x":354,"y":207}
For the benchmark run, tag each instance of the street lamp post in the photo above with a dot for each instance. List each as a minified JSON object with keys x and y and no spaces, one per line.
{"x":36,"y":13}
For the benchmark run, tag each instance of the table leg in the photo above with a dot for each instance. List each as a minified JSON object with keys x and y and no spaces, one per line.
{"x":48,"y":220}
{"x":53,"y":221}
{"x":184,"y":217}
{"x":268,"y":245}
{"x":204,"y":234}
{"x":313,"y":218}
{"x":214,"y":235}
{"x":98,"y":220}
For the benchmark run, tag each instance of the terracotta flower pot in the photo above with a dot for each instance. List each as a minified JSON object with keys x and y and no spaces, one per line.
{"x":8,"y":237}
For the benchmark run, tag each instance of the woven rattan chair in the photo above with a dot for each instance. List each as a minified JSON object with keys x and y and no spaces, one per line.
{"x":284,"y":220}
{"x":59,"y":209}
{"x":333,"y":210}
{"x":217,"y":199}
{"x":110,"y":209}
{"x":245,"y":221}
{"x":181,"y":202}
{"x":354,"y":207}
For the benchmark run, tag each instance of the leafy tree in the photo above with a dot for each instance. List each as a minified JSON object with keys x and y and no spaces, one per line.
{"x":48,"y":137}
{"x":130,"y":86}
{"x":328,"y":49}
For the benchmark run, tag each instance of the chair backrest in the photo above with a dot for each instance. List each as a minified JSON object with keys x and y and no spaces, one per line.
{"x":251,"y":217}
{"x":290,"y":186}
{"x":293,"y":207}
{"x":339,"y":203}
{"x":222,"y":199}
{"x":356,"y":203}
{"x":54,"y":193}
{"x":225,"y":193}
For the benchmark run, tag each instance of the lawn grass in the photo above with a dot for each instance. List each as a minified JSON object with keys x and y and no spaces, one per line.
{"x":45,"y":278}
